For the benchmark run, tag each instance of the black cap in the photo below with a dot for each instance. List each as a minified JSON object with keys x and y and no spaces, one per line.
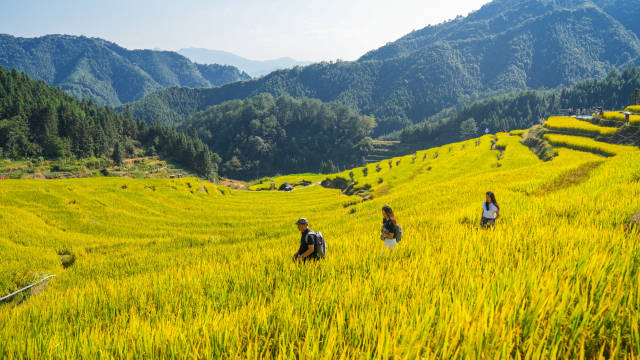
{"x":302,"y":221}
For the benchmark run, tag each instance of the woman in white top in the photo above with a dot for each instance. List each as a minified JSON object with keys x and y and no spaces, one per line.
{"x":490,"y":211}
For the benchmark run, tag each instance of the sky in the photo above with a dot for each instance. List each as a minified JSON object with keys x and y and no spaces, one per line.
{"x":309,"y":30}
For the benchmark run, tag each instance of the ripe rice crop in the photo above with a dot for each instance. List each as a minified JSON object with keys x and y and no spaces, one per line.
{"x":182,"y":268}
{"x":633,"y":108}
{"x":618,"y":116}
{"x":570,"y":124}
{"x":586,"y":144}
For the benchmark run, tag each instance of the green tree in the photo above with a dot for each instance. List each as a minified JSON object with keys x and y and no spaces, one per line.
{"x":468,"y":129}
{"x":204,"y":163}
{"x":117,"y":154}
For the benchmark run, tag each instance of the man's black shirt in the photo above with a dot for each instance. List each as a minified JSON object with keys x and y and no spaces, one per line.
{"x":305,"y":241}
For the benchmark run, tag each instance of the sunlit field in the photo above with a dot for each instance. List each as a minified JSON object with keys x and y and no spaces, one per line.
{"x":633,"y":108}
{"x":615,"y":115}
{"x":587,"y":144}
{"x":570,"y":124}
{"x":183,"y":268}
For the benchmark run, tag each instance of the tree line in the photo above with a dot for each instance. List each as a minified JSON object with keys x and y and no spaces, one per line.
{"x":37,"y":120}
{"x":263,"y":135}
{"x":523,"y":109}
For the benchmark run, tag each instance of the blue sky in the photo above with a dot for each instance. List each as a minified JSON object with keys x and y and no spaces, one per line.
{"x":311,"y":30}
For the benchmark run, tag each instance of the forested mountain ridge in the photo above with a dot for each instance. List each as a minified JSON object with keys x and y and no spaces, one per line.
{"x":96,"y":69}
{"x":503,"y":47}
{"x":262,"y":135}
{"x":498,"y":17}
{"x":523,"y":109}
{"x":256,"y":136}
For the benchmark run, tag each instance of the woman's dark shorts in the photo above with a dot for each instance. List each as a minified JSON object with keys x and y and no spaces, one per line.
{"x":486,"y":222}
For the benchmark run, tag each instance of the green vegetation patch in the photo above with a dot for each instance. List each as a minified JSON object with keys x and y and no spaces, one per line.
{"x":568,"y":178}
{"x":541,"y":147}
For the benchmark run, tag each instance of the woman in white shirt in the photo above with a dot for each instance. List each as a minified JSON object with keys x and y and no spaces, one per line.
{"x":490,"y":211}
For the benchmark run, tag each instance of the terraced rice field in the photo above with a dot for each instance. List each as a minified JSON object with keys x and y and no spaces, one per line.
{"x":185,"y":269}
{"x":587,"y":144}
{"x":619,"y":116}
{"x":570,"y":124}
{"x":633,"y":108}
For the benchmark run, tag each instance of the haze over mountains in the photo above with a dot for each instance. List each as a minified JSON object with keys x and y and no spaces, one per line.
{"x":505,"y":46}
{"x":255,"y":68}
{"x":100,"y":70}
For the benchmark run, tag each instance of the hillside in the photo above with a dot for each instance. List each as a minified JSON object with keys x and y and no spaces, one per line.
{"x":255,"y":68}
{"x":524,"y":109}
{"x":500,"y":16}
{"x":604,"y":135}
{"x":161,"y":268}
{"x":264,"y":136}
{"x":92,"y":68}
{"x":39,"y":122}
{"x":503,"y":47}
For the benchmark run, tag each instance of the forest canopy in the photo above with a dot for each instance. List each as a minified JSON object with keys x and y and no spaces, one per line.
{"x":263,"y":135}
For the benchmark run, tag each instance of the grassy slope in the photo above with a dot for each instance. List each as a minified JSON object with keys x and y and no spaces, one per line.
{"x":167,"y":269}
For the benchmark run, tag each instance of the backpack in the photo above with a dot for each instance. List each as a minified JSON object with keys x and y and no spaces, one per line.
{"x":319,"y":245}
{"x":398,"y":233}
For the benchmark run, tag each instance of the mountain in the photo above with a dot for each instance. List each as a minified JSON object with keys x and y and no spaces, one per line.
{"x":500,"y":16}
{"x":505,"y":46}
{"x":92,"y":68}
{"x":255,"y":68}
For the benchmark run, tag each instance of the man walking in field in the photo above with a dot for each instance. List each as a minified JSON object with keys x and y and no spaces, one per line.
{"x":312,"y":245}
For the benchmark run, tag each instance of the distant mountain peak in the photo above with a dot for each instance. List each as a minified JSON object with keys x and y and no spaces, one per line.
{"x":255,"y":68}
{"x":104,"y":71}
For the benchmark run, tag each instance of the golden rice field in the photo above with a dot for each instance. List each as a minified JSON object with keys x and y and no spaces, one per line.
{"x":571,"y":124}
{"x":633,"y":108}
{"x":185,"y":269}
{"x":587,"y":144}
{"x":619,"y":116}
{"x":518,"y":132}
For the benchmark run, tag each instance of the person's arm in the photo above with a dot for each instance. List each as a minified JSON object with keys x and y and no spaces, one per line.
{"x":306,"y":253}
{"x":497,"y":214}
{"x":386,"y":234}
{"x":295,"y":256}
